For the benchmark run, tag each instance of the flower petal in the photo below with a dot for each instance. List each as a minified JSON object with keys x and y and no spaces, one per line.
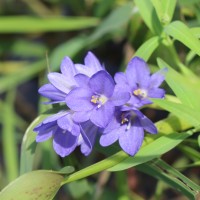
{"x":68,"y":124}
{"x":131,"y":140}
{"x":102,"y":83}
{"x":81,"y":116}
{"x":120,"y":96}
{"x":60,"y":82}
{"x":92,"y":62}
{"x":49,"y":91}
{"x":82,"y":80}
{"x":55,"y":117}
{"x":156,"y":93}
{"x":67,"y":68}
{"x":115,"y":122}
{"x":120,"y":78}
{"x":45,"y":131}
{"x":157,"y":78}
{"x":101,"y":116}
{"x":79,"y":99}
{"x":64,"y":143}
{"x":137,"y":72}
{"x":134,"y":101}
{"x":89,"y":133}
{"x":148,"y":125}
{"x":111,"y":137}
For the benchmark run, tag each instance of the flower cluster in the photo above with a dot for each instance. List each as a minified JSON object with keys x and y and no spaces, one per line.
{"x":97,"y":104}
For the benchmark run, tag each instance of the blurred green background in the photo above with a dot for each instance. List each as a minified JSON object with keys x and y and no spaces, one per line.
{"x":37,"y":34}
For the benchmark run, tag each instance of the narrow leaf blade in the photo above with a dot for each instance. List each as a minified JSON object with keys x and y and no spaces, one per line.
{"x":149,"y":15}
{"x":179,"y":31}
{"x":147,"y":48}
{"x":152,"y":150}
{"x":28,"y":24}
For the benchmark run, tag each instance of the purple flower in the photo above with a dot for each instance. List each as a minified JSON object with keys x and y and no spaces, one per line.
{"x":66,"y":134}
{"x":127,"y":126}
{"x":139,"y":83}
{"x":96,"y":99}
{"x":62,"y":83}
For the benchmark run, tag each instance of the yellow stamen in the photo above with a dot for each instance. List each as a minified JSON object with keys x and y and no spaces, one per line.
{"x":124,"y":120}
{"x":137,"y":92}
{"x":140,"y":92}
{"x":94,"y":99}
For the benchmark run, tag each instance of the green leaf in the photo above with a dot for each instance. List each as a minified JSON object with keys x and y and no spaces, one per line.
{"x":149,"y":16}
{"x":185,"y":88}
{"x":29,"y":144}
{"x":148,"y":47}
{"x":113,"y":22}
{"x":9,"y":143}
{"x":179,"y":31}
{"x":13,"y":79}
{"x":190,"y":115}
{"x":69,"y":48}
{"x":172,"y":123}
{"x":28,"y":147}
{"x":79,"y":188}
{"x":41,"y":184}
{"x":190,"y":152}
{"x":21,"y":48}
{"x":97,"y":167}
{"x":153,"y":150}
{"x":164,"y":9}
{"x":27,"y":24}
{"x":198,"y":140}
{"x":196,"y":32}
{"x":187,"y":2}
{"x":162,"y":171}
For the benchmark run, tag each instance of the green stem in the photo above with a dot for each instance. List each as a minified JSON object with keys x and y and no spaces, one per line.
{"x":107,"y":163}
{"x":8,"y":137}
{"x":97,"y":167}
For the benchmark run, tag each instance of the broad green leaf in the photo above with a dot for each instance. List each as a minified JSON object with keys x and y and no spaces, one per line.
{"x":179,"y":31}
{"x":28,"y":24}
{"x":153,"y":150}
{"x":191,"y":76}
{"x":188,"y":114}
{"x":196,"y":32}
{"x":149,"y":16}
{"x":170,"y":124}
{"x":13,"y":79}
{"x":162,"y":171}
{"x":113,"y":22}
{"x":185,"y":88}
{"x":41,"y":184}
{"x":29,"y":145}
{"x":69,"y":48}
{"x":164,"y":9}
{"x":147,"y":48}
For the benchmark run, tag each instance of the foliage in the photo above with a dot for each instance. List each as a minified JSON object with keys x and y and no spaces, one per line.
{"x":164,"y":33}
